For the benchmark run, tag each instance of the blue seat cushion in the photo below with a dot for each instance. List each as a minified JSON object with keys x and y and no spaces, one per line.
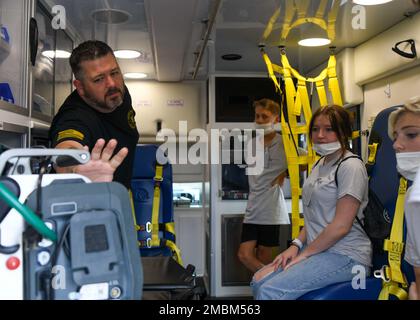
{"x":345,"y":291}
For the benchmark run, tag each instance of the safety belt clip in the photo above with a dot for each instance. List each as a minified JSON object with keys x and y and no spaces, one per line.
{"x":148,"y":227}
{"x":149,"y":242}
{"x":158,"y":181}
{"x":381,"y":274}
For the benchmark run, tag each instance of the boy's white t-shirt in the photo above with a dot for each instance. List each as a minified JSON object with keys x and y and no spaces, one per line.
{"x":266,"y":203}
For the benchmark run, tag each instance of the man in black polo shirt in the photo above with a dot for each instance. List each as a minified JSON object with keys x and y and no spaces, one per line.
{"x":97,"y":116}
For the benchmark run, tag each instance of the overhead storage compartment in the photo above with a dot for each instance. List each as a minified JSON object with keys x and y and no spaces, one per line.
{"x":375,"y":58}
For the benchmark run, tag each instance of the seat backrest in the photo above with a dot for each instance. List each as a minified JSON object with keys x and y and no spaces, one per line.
{"x":145,"y":162}
{"x":384,"y":179}
{"x":142,"y":186}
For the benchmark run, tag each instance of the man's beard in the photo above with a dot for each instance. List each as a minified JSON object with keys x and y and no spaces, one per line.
{"x":108,"y":105}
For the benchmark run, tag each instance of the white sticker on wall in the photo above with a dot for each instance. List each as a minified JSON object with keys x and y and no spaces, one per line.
{"x":144,"y":103}
{"x":175,"y":103}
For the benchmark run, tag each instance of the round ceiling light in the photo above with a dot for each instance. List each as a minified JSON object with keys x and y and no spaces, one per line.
{"x":59,"y":54}
{"x":370,"y":2}
{"x":135,"y":75}
{"x":127,"y":54}
{"x":110,"y":16}
{"x":231,"y":57}
{"x":314,"y":42}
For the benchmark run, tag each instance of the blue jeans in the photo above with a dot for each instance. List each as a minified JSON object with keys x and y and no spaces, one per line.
{"x":316,"y":272}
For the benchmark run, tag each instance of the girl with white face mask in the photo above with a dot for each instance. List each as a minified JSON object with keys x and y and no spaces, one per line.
{"x":404,"y":130}
{"x":330,"y":244}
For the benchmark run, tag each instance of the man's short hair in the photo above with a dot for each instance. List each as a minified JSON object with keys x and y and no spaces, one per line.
{"x":88,"y":50}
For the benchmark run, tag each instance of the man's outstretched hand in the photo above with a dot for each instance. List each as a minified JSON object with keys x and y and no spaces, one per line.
{"x":102,"y":164}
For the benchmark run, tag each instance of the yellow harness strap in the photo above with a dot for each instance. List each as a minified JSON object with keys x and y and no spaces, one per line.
{"x":133,"y":211}
{"x":333,"y":81}
{"x":270,"y":25}
{"x":175,"y":250}
{"x":169,"y":227}
{"x":288,"y":17}
{"x":270,"y":69}
{"x":373,"y":149}
{"x":298,"y":102}
{"x":156,"y":205}
{"x":332,"y":18}
{"x":321,"y":9}
{"x":394,"y":281}
{"x":299,"y":8}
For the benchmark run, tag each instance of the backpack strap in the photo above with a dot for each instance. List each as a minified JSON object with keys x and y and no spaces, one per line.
{"x":316,"y":163}
{"x":339,"y":164}
{"x":336,"y":183}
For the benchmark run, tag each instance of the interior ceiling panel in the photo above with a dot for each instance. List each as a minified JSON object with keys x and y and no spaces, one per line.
{"x":241,"y":24}
{"x":100,"y":20}
{"x":171,"y":25}
{"x":170,"y":33}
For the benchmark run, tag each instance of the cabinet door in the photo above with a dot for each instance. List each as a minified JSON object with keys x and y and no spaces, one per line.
{"x":63,"y":74}
{"x":52,"y":73}
{"x":189,"y":228}
{"x":43,"y":71}
{"x":13,"y":65}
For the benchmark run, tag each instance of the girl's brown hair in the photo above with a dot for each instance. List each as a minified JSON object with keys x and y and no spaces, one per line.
{"x":340,"y":121}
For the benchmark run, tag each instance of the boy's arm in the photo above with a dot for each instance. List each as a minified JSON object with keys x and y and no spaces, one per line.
{"x":279,"y":179}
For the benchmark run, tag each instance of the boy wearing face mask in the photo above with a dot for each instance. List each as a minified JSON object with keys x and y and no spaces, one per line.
{"x":266,"y":207}
{"x":404,"y":130}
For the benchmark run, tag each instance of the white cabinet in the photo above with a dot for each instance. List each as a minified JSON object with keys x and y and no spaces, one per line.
{"x":190,"y":237}
{"x":14,"y":29}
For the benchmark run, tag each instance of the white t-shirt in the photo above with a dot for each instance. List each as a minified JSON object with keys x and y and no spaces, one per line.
{"x":320,"y":195}
{"x":266,"y":204}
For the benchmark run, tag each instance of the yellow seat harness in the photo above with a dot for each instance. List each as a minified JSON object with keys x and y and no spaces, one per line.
{"x":394,"y":281}
{"x":297,"y":100}
{"x":154,"y":226}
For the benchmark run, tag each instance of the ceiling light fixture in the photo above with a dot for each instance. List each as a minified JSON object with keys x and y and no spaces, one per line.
{"x":231,"y":56}
{"x":127,"y":54}
{"x":370,"y":2}
{"x":59,"y":54}
{"x":314,"y":42}
{"x":110,"y":16}
{"x":313,"y":35}
{"x":135,"y":75}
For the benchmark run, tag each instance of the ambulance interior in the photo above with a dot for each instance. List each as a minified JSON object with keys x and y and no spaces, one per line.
{"x":199,"y":64}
